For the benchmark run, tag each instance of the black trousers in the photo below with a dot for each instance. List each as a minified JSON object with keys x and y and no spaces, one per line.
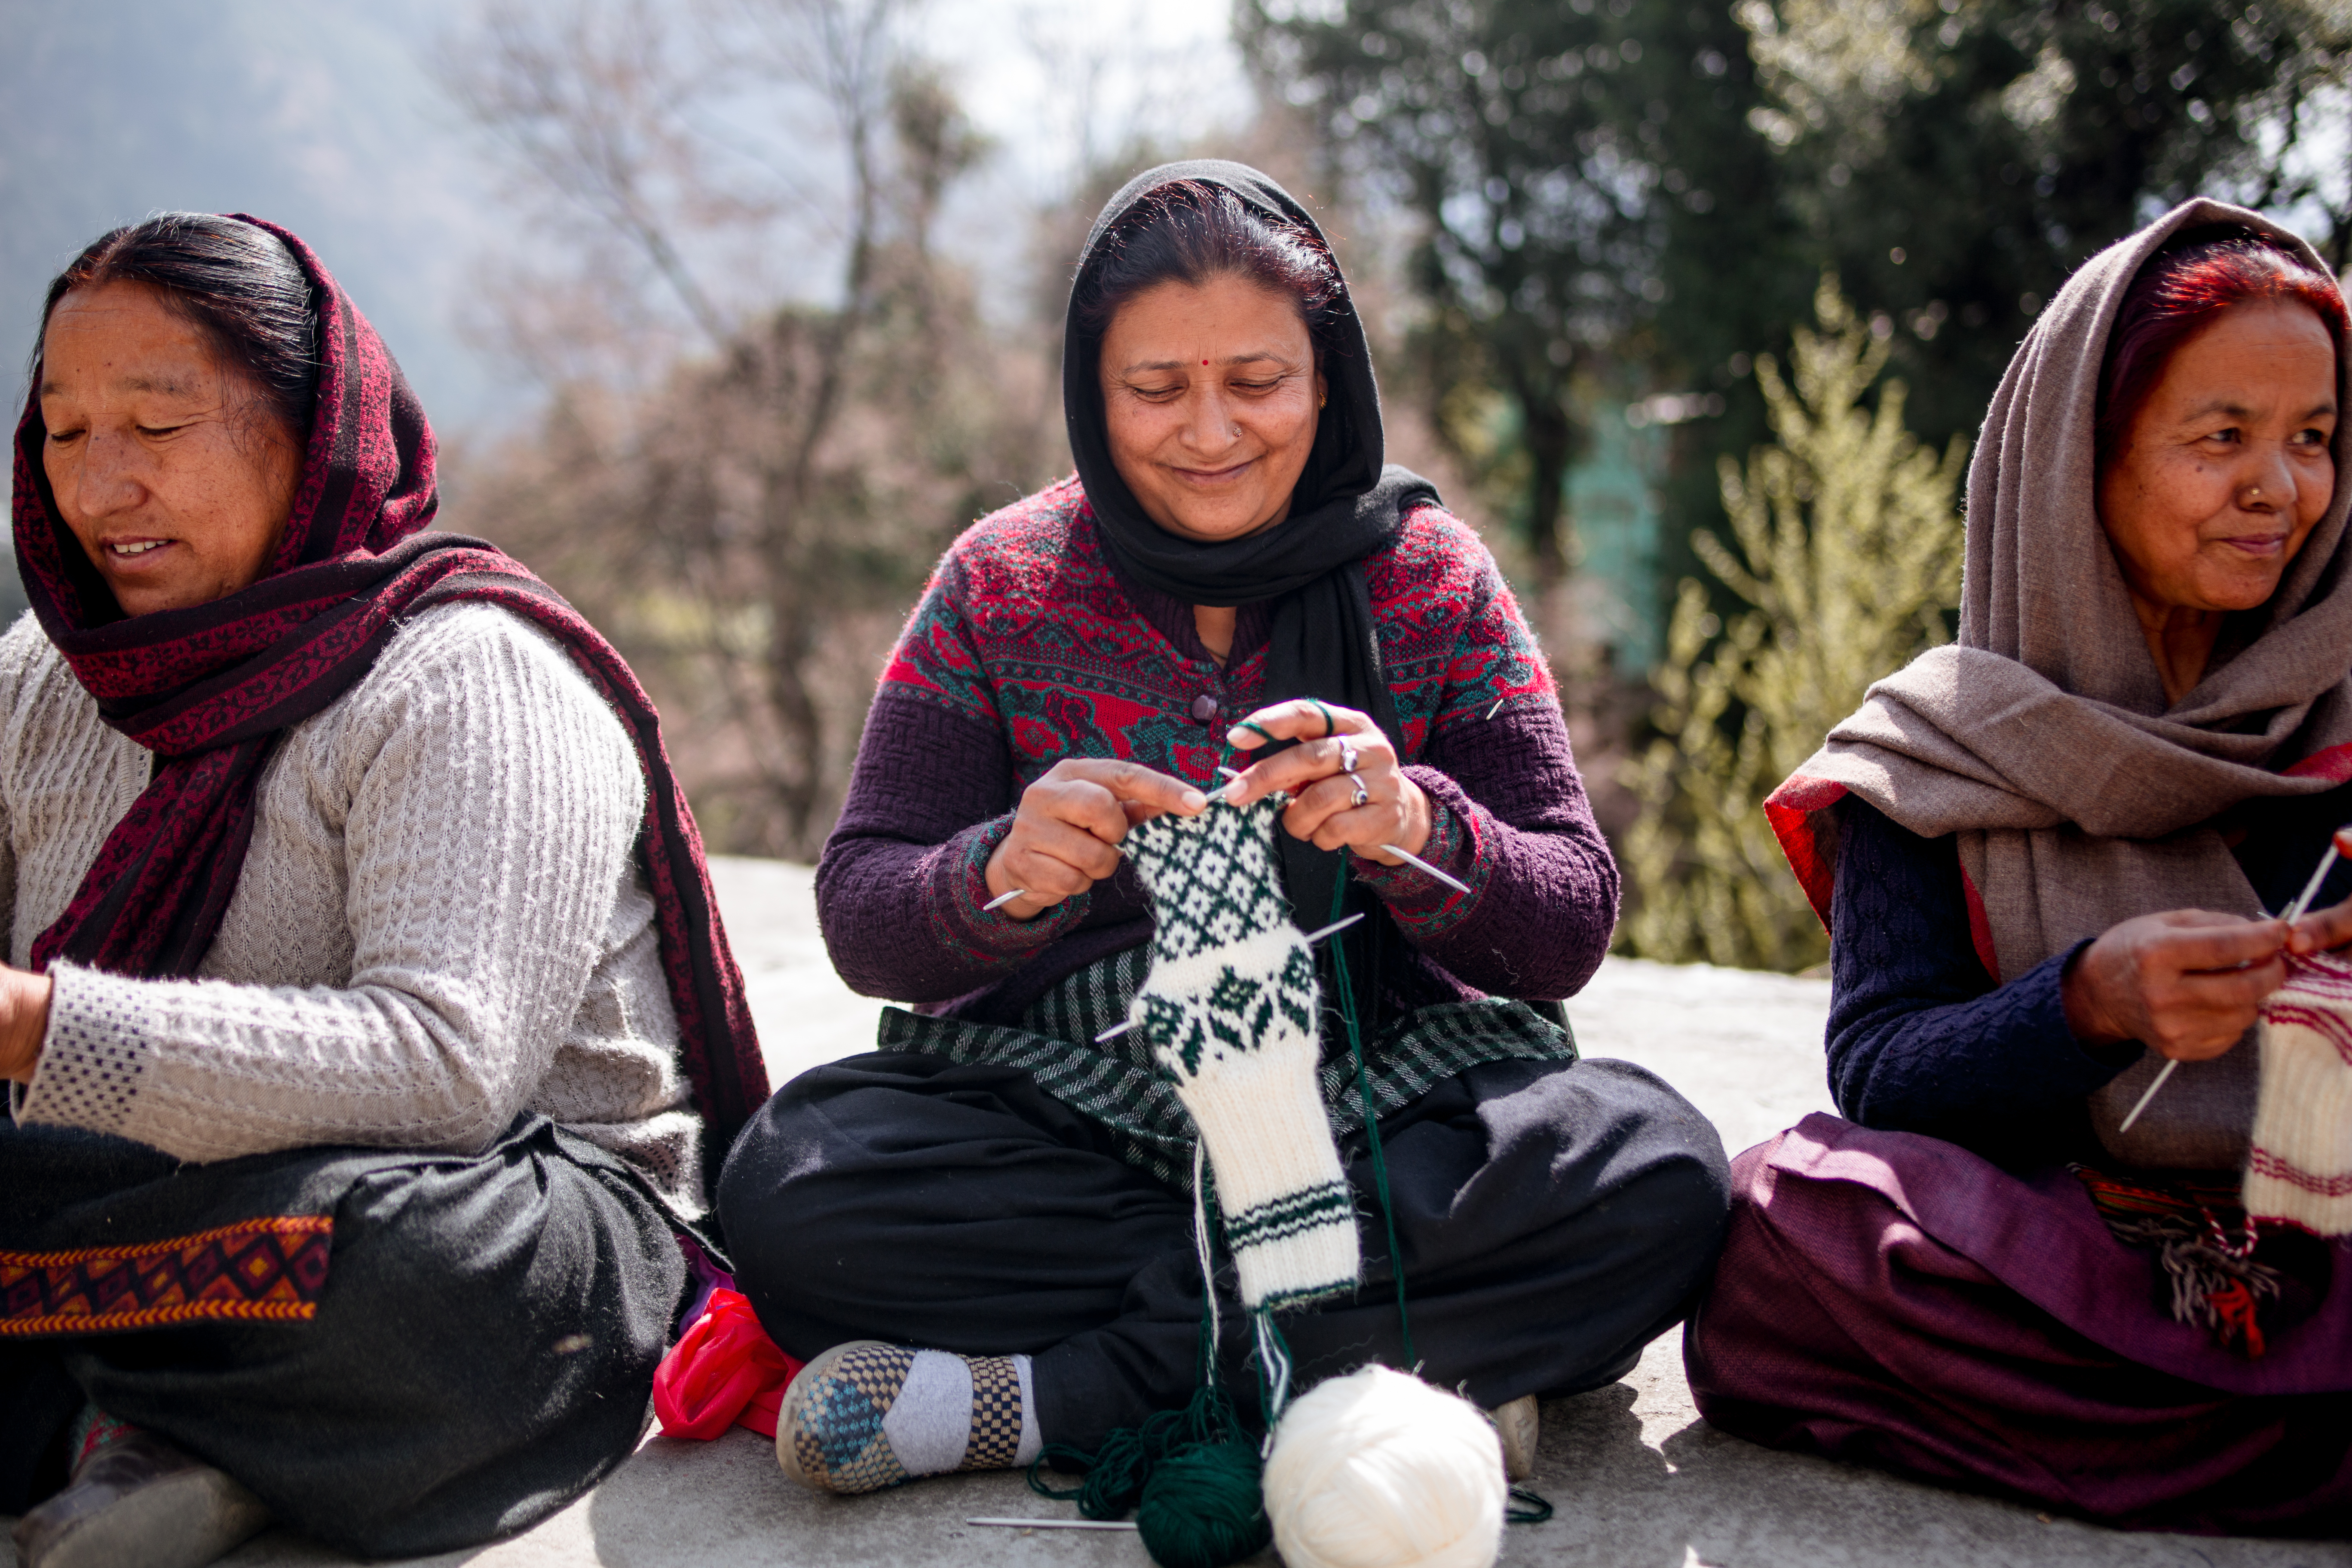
{"x":482,"y":1350}
{"x":1554,"y":1218}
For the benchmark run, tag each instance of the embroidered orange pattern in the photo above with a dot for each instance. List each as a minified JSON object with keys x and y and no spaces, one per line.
{"x":261,"y":1269}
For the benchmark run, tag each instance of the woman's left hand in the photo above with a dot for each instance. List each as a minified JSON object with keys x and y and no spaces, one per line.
{"x":1346,"y":783}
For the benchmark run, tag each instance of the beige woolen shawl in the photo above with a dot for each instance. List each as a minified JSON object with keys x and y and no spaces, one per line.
{"x":2042,"y":739}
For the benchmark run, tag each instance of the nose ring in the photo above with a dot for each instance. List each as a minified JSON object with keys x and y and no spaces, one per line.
{"x":2255,"y":493}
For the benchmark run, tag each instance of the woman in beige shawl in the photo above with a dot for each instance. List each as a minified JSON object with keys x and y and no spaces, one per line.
{"x":2046,"y":856}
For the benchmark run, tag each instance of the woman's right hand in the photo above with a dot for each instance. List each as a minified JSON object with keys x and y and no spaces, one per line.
{"x":1066,"y":834}
{"x":2185,"y":984}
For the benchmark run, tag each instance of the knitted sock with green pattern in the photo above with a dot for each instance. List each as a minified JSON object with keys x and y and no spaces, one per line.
{"x":1230,"y":1009}
{"x":864,"y":1415}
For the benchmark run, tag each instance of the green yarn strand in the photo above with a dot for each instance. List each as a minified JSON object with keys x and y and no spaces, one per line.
{"x":1348,"y":1020}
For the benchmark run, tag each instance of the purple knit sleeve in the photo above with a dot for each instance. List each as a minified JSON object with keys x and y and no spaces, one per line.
{"x":901,"y":881}
{"x":1513,"y":822}
{"x":1509,"y":819}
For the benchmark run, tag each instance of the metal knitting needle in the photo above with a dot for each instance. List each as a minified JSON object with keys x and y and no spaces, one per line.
{"x":1407,"y":856}
{"x":2293,"y":913}
{"x":1002,"y":899}
{"x":1057,"y":1523}
{"x":1312,"y":938}
{"x":1418,"y":864}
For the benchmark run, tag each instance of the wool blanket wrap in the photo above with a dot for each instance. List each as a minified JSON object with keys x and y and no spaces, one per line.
{"x":1893,"y":1299}
{"x":2080,"y":796}
{"x":209,"y":690}
{"x":477,"y":1332}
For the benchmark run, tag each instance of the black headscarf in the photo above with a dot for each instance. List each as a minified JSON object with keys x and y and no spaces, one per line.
{"x":1311,"y":564}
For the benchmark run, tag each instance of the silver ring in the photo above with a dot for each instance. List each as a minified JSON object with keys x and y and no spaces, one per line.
{"x":1363,"y":795}
{"x":1347,"y":760}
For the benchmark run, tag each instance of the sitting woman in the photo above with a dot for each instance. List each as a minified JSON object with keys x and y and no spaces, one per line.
{"x":2044,"y":855}
{"x":371,"y":1033}
{"x":1230,"y":571}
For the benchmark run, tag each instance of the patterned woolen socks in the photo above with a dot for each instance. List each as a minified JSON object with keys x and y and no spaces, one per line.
{"x":864,"y":1415}
{"x":1230,"y":1010}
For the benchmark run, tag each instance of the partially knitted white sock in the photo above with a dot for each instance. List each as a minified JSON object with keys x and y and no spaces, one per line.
{"x":2300,"y":1168}
{"x":1230,"y":1009}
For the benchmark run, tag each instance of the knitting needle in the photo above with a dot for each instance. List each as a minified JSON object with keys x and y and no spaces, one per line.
{"x":2335,"y":845}
{"x":1407,"y":856}
{"x":1312,"y":938}
{"x":1057,"y":1523}
{"x":1415,"y":861}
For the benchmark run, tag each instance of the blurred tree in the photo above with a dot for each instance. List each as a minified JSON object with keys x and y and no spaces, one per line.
{"x":1955,"y":162}
{"x":749,"y":515}
{"x":1531,"y":140}
{"x":1847,"y":561}
{"x":1653,"y":185}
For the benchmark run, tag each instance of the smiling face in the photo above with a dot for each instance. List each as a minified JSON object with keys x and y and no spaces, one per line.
{"x":2227,"y":467}
{"x":1211,"y":395}
{"x":166,"y":464}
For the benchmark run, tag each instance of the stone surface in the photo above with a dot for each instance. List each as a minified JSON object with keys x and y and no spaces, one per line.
{"x":1637,"y":1479}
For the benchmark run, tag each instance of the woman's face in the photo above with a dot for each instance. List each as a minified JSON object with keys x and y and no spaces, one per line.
{"x":2227,"y":468}
{"x":168,"y":465}
{"x":1212,"y":394}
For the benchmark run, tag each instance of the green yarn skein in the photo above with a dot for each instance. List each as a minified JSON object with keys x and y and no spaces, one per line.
{"x":1202,"y":1508}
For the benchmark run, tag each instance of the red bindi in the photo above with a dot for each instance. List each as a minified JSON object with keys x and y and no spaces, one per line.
{"x":1204,"y":362}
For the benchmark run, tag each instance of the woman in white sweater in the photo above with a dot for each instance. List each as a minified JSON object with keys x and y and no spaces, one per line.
{"x":369,"y":1027}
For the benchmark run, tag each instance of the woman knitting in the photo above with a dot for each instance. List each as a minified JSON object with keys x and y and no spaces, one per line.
{"x":988,"y":1221}
{"x":2046,"y":856}
{"x":370,"y":1031}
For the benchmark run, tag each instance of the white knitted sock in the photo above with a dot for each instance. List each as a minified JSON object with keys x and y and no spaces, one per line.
{"x":1230,"y":1010}
{"x":2301,"y":1165}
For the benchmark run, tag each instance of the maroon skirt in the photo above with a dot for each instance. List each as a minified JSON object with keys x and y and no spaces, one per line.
{"x":1894,"y":1300}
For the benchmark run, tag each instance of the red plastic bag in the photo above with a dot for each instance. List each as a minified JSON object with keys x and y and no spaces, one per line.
{"x":723,"y":1372}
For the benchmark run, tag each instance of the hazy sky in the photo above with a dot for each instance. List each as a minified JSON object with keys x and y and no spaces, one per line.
{"x":322,"y":115}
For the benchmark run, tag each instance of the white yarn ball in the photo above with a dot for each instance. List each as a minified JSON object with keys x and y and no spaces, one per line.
{"x":1378,"y":1470}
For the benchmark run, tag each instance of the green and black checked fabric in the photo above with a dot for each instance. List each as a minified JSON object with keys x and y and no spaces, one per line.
{"x":1117,"y":1084}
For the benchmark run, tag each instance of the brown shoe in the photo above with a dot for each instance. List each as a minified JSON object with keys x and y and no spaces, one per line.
{"x":140,"y":1503}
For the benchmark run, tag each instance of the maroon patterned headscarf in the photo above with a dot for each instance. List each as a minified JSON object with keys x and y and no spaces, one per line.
{"x":209,"y":690}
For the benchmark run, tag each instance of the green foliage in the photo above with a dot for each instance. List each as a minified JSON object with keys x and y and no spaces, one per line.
{"x":1847,"y":558}
{"x":1637,"y":182}
{"x":1540,"y":148}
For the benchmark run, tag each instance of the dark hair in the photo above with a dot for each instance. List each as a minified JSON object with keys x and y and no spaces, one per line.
{"x":2182,"y":292}
{"x":234,"y":282}
{"x":1189,"y":231}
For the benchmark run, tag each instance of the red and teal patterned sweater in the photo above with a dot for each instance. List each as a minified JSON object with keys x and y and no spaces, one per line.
{"x":1028,"y":645}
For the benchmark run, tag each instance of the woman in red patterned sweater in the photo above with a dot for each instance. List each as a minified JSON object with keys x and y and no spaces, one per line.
{"x":1231,"y":581}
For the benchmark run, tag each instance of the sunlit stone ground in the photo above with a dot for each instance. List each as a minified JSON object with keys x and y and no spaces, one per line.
{"x":1638,"y":1481}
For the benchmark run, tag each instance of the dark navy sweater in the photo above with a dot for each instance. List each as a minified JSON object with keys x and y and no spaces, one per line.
{"x":1920,"y":1038}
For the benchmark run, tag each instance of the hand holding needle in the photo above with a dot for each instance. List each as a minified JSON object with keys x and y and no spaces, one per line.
{"x":2340,"y":843}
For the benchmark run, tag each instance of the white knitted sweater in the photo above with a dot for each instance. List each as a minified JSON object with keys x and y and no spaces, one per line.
{"x":441,"y":920}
